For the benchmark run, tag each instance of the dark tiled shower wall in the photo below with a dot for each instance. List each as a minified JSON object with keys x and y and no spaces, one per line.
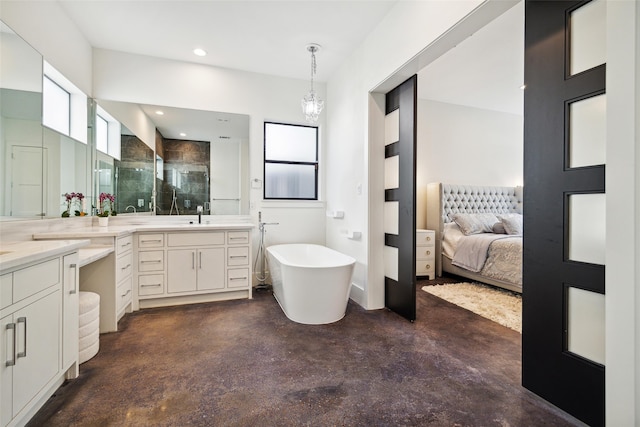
{"x":191,"y":159}
{"x":135,"y":174}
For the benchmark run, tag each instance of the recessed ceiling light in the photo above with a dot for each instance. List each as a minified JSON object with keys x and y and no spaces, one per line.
{"x":160,"y":113}
{"x":183,"y":134}
{"x":200,"y":52}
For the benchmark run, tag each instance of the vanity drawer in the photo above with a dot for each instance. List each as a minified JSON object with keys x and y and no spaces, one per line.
{"x":195,"y":239}
{"x":238,"y":278}
{"x":123,"y":294}
{"x":6,"y":290}
{"x":151,"y":240}
{"x":237,"y":237}
{"x":124,"y":266}
{"x":150,"y":261}
{"x":124,"y":244}
{"x":150,"y":284}
{"x":238,"y":256}
{"x":31,"y":280}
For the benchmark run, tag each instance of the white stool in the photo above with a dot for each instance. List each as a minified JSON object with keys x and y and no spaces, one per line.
{"x":89,"y":323}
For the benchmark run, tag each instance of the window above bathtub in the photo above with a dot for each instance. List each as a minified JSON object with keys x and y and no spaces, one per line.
{"x":290,"y":162}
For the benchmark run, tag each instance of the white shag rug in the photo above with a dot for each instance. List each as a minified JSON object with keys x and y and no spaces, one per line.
{"x":501,"y":306}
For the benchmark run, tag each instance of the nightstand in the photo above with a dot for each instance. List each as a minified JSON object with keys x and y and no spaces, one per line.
{"x":425,"y":253}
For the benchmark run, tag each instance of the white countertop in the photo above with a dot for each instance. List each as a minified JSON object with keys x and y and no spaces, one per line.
{"x":92,"y":253}
{"x":123,"y":230}
{"x":16,"y":254}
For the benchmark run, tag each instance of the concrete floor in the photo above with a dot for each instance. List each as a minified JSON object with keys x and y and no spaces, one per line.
{"x":243,"y":363}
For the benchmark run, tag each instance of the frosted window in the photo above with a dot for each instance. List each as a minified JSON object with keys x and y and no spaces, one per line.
{"x":588,"y":131}
{"x":290,"y":181}
{"x":290,"y":161}
{"x":289,"y":142}
{"x":586,"y":324}
{"x":56,"y":106}
{"x":391,"y":217}
{"x":587,"y":234}
{"x":391,"y":172}
{"x":588,"y":36}
{"x":391,"y":262}
{"x":392,"y":127}
{"x":102,"y":134}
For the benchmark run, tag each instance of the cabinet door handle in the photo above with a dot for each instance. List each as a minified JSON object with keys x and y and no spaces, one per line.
{"x":193,"y":260}
{"x":126,"y":266}
{"x":200,"y":255}
{"x":238,"y":278}
{"x":126,"y":293}
{"x":149,"y":285}
{"x":155,"y":261}
{"x":149,"y":241}
{"x":237,"y":238}
{"x":237,"y":256}
{"x":12,"y":326}
{"x":23,"y":353}
{"x":75,"y":279}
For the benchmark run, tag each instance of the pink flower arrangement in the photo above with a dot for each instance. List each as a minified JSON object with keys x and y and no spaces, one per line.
{"x":68,"y":198}
{"x":103,"y":199}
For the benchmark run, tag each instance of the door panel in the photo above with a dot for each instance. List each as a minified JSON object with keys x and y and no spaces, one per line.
{"x":400,"y":199}
{"x":564,"y":171}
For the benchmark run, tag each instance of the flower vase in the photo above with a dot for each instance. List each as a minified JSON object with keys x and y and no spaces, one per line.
{"x":103,"y":221}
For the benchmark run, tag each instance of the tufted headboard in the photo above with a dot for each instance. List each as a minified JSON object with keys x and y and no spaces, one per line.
{"x":444,"y":200}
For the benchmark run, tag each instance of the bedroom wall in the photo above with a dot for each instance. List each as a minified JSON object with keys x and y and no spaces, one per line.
{"x":466,"y":145}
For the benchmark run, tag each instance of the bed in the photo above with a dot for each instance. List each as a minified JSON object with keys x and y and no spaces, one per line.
{"x":478,"y":232}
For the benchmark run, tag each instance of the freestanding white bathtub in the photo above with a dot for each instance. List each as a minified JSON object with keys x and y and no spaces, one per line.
{"x":310,"y":282}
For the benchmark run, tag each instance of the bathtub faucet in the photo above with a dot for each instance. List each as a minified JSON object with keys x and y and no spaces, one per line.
{"x":262,"y":224}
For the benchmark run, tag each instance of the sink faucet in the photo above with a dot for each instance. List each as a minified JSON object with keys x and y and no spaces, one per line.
{"x":132,"y":207}
{"x":199,"y":210}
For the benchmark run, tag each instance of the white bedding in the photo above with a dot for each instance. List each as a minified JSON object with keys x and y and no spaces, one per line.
{"x":501,"y":258}
{"x":472,"y":251}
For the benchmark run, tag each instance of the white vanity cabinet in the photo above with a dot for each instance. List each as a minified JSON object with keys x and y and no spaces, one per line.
{"x":111,"y":277}
{"x":190,"y":270}
{"x":150,"y":264}
{"x":39,"y":334}
{"x":181,"y":267}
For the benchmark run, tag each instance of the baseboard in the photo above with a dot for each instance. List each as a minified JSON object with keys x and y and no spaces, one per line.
{"x":357,"y":295}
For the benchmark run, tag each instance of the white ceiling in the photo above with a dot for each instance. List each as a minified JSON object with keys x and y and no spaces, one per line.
{"x":266,"y":36}
{"x":270,"y":37}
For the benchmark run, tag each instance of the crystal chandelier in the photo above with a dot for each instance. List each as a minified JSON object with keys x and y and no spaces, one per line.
{"x":311,"y":104}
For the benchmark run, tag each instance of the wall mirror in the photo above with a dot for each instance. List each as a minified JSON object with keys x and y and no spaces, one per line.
{"x":39,"y":165}
{"x":21,"y":132}
{"x":201,"y":158}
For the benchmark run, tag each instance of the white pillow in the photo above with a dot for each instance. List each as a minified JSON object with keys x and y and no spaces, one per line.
{"x":512,"y":223}
{"x":475,"y":223}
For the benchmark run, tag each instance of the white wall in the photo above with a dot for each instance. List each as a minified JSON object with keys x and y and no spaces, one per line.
{"x":117,"y":76}
{"x":400,"y":36}
{"x":142,"y":79}
{"x":622,"y":299}
{"x":465,"y":145}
